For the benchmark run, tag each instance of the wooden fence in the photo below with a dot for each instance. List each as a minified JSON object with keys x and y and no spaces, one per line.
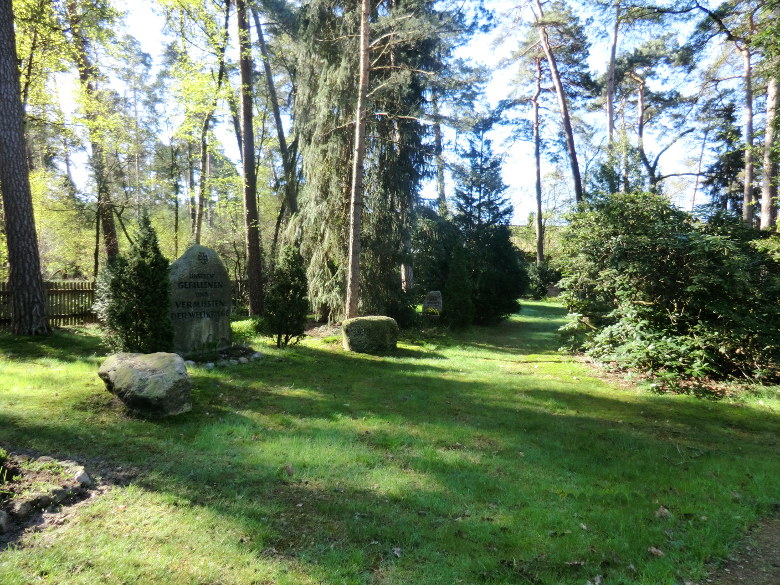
{"x":69,"y":302}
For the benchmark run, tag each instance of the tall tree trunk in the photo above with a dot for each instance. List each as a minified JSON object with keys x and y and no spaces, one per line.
{"x":254,"y":259}
{"x":88,"y":75}
{"x":610,"y":97}
{"x":538,"y":163}
{"x":356,"y":195}
{"x":438,"y":152}
{"x":287,"y":160}
{"x":564,"y":107}
{"x":748,"y":202}
{"x":204,"y":131}
{"x":769,"y":187}
{"x":28,"y":297}
{"x":192,"y":204}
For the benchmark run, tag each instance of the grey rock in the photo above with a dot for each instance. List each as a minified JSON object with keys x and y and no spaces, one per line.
{"x":223,"y":363}
{"x":257,"y":355}
{"x":201,"y":297}
{"x":189,"y":363}
{"x":21,"y":508}
{"x":209,"y":366}
{"x":4,"y":521}
{"x":153,"y":384}
{"x":82,"y":477}
{"x":233,"y":362}
{"x":374,"y":334}
{"x":243,"y":360}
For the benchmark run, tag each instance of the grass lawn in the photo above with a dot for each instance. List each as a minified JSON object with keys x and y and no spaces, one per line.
{"x":483,"y":457}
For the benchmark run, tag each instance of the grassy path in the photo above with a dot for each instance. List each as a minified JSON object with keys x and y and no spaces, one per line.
{"x":486,"y":457}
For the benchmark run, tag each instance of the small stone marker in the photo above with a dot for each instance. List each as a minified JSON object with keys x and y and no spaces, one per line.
{"x":201,"y":297}
{"x":433,"y":302}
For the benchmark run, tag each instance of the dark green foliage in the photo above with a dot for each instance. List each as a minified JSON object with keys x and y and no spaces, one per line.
{"x":286,"y":302}
{"x":657,"y":291}
{"x":498,"y":275}
{"x":133,"y":297}
{"x":539,"y":277}
{"x":458,"y":292}
{"x":326,"y":57}
{"x":724,"y":182}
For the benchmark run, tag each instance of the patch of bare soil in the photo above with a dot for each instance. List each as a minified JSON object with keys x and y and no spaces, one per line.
{"x":38,"y":491}
{"x":318,"y":330}
{"x":757,"y":563}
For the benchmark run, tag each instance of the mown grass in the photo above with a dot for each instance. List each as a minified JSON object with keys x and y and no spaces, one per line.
{"x":483,"y":457}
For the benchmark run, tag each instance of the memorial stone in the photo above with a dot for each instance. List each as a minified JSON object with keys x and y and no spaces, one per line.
{"x":433,"y":302}
{"x":201,"y":299}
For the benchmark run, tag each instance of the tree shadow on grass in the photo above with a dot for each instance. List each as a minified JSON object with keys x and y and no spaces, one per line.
{"x":350,"y":465}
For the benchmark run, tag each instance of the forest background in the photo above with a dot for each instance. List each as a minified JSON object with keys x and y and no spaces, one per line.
{"x":674,"y":98}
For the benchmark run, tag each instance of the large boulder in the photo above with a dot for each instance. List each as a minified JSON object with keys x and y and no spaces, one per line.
{"x":377,"y":335}
{"x":152,"y":384}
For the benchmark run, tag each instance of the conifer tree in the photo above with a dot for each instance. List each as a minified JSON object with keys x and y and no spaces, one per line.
{"x":133,"y":295}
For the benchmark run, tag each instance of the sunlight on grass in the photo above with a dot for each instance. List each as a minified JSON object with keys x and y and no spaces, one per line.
{"x":482,"y":457}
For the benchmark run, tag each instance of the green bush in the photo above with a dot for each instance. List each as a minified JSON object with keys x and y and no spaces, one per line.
{"x":539,"y":277}
{"x":133,"y":297}
{"x":656,"y":290}
{"x":286,"y":302}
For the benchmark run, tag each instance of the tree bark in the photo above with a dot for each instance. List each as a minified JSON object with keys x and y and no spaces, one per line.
{"x":254,"y":260}
{"x":538,"y":163}
{"x":564,"y":107}
{"x":769,"y":187}
{"x":88,"y":76}
{"x":356,"y":195}
{"x":748,"y":201}
{"x":204,"y":131}
{"x":28,"y":297}
{"x":610,"y":97}
{"x":438,"y":150}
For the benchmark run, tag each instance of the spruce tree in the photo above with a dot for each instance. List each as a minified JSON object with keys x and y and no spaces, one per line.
{"x":286,"y":302}
{"x":133,"y":296}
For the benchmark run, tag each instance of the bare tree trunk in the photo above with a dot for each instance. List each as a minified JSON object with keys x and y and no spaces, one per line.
{"x":748,"y":202}
{"x":204,"y":132}
{"x":254,"y":259}
{"x":610,"y":97}
{"x":438,"y":150}
{"x":562,"y":103}
{"x":538,"y":163}
{"x":698,"y":170}
{"x":769,"y":187}
{"x":28,"y":297}
{"x":88,"y":75}
{"x":192,"y":205}
{"x":356,"y":196}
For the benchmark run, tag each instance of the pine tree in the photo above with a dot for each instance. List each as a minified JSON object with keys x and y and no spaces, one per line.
{"x":133,"y":296}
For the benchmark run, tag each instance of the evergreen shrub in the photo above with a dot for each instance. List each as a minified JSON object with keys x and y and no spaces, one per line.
{"x":656,"y":290}
{"x":286,"y":301}
{"x":133,"y":297}
{"x":540,"y":276}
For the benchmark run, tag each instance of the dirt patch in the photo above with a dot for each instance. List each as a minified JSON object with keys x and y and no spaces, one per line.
{"x":758,"y":560}
{"x":318,"y":330}
{"x":38,"y":491}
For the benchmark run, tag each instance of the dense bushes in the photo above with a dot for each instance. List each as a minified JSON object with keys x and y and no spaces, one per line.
{"x":655,"y":290}
{"x":478,"y":270}
{"x":133,"y":297}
